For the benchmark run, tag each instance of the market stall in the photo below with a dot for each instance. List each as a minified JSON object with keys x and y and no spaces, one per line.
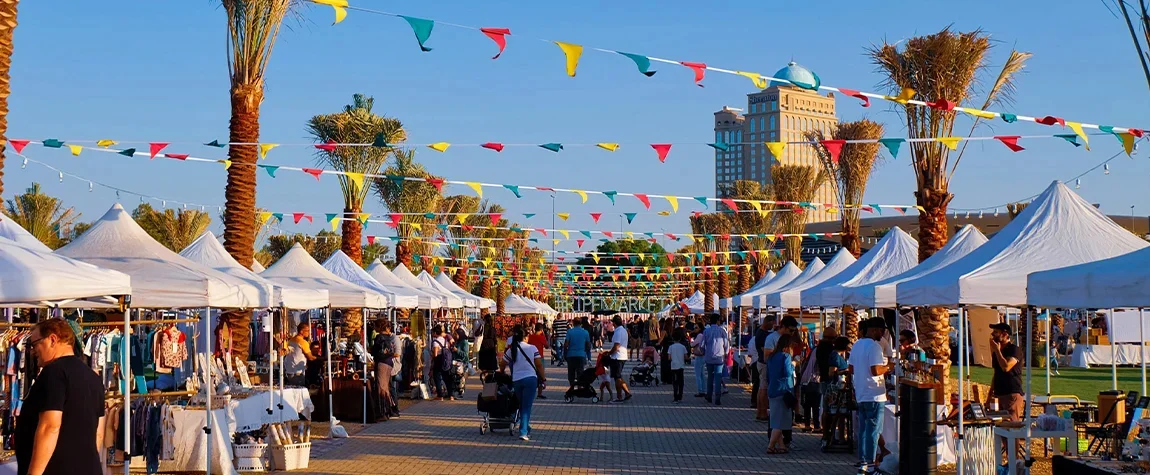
{"x":791,"y":296}
{"x":743,"y":300}
{"x":894,"y":254}
{"x":425,"y":300}
{"x":759,"y":299}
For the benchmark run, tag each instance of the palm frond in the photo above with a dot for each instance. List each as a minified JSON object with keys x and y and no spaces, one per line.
{"x":42,"y":215}
{"x":1000,"y":93}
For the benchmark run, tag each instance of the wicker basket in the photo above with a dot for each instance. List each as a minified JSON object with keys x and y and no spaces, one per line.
{"x":292,"y":456}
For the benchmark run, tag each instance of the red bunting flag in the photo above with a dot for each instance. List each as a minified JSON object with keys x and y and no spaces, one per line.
{"x":499,"y":36}
{"x":496,"y":146}
{"x":313,"y":172}
{"x":370,"y":240}
{"x":1010,"y":141}
{"x":440,"y":238}
{"x":20,"y":144}
{"x":596,"y":216}
{"x":671,"y":236}
{"x":177,"y":156}
{"x":699,"y":68}
{"x":437,"y":183}
{"x":608,"y":234}
{"x":834,"y":148}
{"x":579,"y":242}
{"x":662,"y":149}
{"x":541,"y":231}
{"x":900,"y":209}
{"x":731,"y":205}
{"x":1136,"y":132}
{"x":696,"y":213}
{"x":544,"y":188}
{"x":942,"y":104}
{"x":1051,"y":120}
{"x":466,"y":227}
{"x":328,"y":146}
{"x":495,"y":218}
{"x":154,"y":148}
{"x":644,"y":199}
{"x":296,"y":217}
{"x":392,"y":224}
{"x":396,"y":217}
{"x":671,"y":257}
{"x":856,"y":94}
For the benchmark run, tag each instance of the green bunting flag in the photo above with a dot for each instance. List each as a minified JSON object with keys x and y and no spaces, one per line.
{"x":1009,"y":118}
{"x":53,"y":143}
{"x":720,"y":146}
{"x":702,"y":199}
{"x":216,"y":143}
{"x":641,"y":61}
{"x":380,"y":140}
{"x":271,"y":169}
{"x":630,"y":217}
{"x":128,"y":152}
{"x":892,"y":145}
{"x":554,"y":147}
{"x":528,"y":215}
{"x":611,"y":195}
{"x":422,"y":28}
{"x":514,"y":189}
{"x":1072,"y":138}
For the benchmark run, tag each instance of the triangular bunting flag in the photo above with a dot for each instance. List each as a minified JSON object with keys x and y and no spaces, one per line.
{"x":19,"y":144}
{"x":563,"y":216}
{"x":700,"y":70}
{"x":1010,"y":141}
{"x":154,"y":148}
{"x":950,"y":142}
{"x":422,"y":28}
{"x":131,"y":152}
{"x":356,"y":178}
{"x":1077,"y":128}
{"x":610,"y":147}
{"x":776,"y":149}
{"x":76,"y":149}
{"x":477,"y":187}
{"x":596,"y":216}
{"x":380,"y":140}
{"x":674,"y":201}
{"x":498,"y":147}
{"x":437,"y":183}
{"x":499,"y":36}
{"x":644,"y":199}
{"x":892,"y":145}
{"x":52,"y":143}
{"x":720,"y":146}
{"x":328,"y":146}
{"x":216,"y":143}
{"x":572,"y":52}
{"x":514,"y":189}
{"x":642,"y":62}
{"x":271,"y":169}
{"x":340,"y":7}
{"x":834,"y":148}
{"x":177,"y":156}
{"x":703,"y":200}
{"x":758,"y":79}
{"x":1051,"y":120}
{"x":582,"y":194}
{"x":630,"y":217}
{"x":1073,"y":139}
{"x":105,"y":143}
{"x":439,"y":146}
{"x":265,"y":148}
{"x":857,"y":95}
{"x":662,"y":149}
{"x":554,"y":147}
{"x":313,"y":172}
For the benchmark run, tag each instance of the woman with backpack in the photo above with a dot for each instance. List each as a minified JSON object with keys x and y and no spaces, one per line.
{"x":441,"y":363}
{"x":527,"y":376}
{"x":385,"y":350}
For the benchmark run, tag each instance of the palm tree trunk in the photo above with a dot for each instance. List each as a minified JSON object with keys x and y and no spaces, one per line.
{"x":934,"y":322}
{"x":352,"y":235}
{"x":708,"y":287}
{"x":352,"y":321}
{"x":794,"y":250}
{"x":850,"y":323}
{"x":744,"y":279}
{"x":7,"y":28}
{"x":240,"y":194}
{"x":850,"y":236}
{"x":460,"y":277}
{"x":500,"y":296}
{"x":403,"y":254}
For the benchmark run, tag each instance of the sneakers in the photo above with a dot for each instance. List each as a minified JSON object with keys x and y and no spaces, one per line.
{"x":700,"y":394}
{"x":541,"y":397}
{"x":524,"y":438}
{"x":618,"y":401}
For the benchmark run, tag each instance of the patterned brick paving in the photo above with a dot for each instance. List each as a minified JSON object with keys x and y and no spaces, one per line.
{"x":646,"y":435}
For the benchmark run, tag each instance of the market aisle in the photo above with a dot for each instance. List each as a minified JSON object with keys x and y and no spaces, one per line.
{"x":646,"y":435}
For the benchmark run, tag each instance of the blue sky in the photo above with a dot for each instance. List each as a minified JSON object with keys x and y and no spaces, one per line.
{"x":156,"y":71}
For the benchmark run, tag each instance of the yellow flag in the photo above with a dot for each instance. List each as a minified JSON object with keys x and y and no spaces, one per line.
{"x":950,"y":142}
{"x":630,"y":235}
{"x":977,"y":113}
{"x":462,"y":217}
{"x":363,"y":217}
{"x":265,"y":148}
{"x":674,"y":201}
{"x":611,"y":147}
{"x":477,"y":187}
{"x":904,"y":95}
{"x":832,"y":210}
{"x":75,"y":149}
{"x":340,"y":7}
{"x":565,"y":234}
{"x":759,"y":80}
{"x":227,"y":163}
{"x":664,"y":213}
{"x":595,"y":257}
{"x":1127,"y":142}
{"x":582,"y":194}
{"x":335,"y":223}
{"x":776,"y":149}
{"x":265,"y":216}
{"x":758,"y":206}
{"x":573,"y":52}
{"x":439,"y":146}
{"x":563,"y":216}
{"x":1077,"y":128}
{"x":105,"y":143}
{"x":920,"y":209}
{"x":356,"y":178}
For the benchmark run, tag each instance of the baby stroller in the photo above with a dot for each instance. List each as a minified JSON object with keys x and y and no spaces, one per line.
{"x":644,"y":373}
{"x":458,"y":375}
{"x":584,"y":387}
{"x":500,"y":411}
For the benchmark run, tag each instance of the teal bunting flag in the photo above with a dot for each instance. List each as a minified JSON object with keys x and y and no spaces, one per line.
{"x":611,"y":195}
{"x":703,"y":200}
{"x":876,"y":209}
{"x":650,"y":235}
{"x":809,"y":86}
{"x":53,"y":143}
{"x":442,"y":227}
{"x":642,"y":62}
{"x":215,"y":143}
{"x":528,"y":215}
{"x":720,"y":146}
{"x":398,"y":180}
{"x":514,"y":189}
{"x":516,"y":229}
{"x":1110,"y":130}
{"x":128,"y":152}
{"x":422,"y":28}
{"x":415,"y":259}
{"x":586,"y":233}
{"x":380,"y":140}
{"x":429,"y":215}
{"x":278,"y":216}
{"x":742,"y":255}
{"x":633,"y":259}
{"x":271,"y":169}
{"x":1072,"y":138}
{"x":892,"y":145}
{"x":394,"y":238}
{"x":1009,"y":118}
{"x":554,"y":147}
{"x":535,"y":240}
{"x":630,"y":217}
{"x":331,"y":216}
{"x":710,"y":237}
{"x":605,"y":240}
{"x":813,"y":235}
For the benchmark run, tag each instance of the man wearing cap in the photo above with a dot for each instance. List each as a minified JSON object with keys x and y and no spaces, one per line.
{"x":1007,"y":382}
{"x":868,"y":366}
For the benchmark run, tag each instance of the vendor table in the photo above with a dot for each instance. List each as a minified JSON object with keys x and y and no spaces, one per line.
{"x":1086,"y":356}
{"x":251,"y":412}
{"x":1013,"y":434}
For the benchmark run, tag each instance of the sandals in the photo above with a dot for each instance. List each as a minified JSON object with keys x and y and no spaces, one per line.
{"x":777,"y":451}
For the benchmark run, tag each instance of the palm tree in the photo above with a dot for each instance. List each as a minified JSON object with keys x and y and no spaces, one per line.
{"x":320,"y":246}
{"x":709,"y":229}
{"x":1142,"y":15}
{"x":943,"y":66}
{"x":175,"y":229}
{"x":355,"y":124}
{"x":403,"y":196}
{"x":253,"y":26}
{"x":7,"y":28}
{"x":1015,"y":209}
{"x":794,"y":183}
{"x":44,"y":216}
{"x":850,"y":173}
{"x":374,"y":251}
{"x":755,"y":225}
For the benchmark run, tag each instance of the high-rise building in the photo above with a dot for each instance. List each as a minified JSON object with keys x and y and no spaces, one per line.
{"x":780,"y":113}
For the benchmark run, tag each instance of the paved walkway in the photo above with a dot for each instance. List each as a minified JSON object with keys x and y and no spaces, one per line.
{"x":646,"y":435}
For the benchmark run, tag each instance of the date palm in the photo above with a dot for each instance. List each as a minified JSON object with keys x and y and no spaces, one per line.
{"x":794,"y":183}
{"x":404,"y":196}
{"x":174,"y":228}
{"x":850,"y":173}
{"x":357,"y":123}
{"x":7,"y":28}
{"x":755,"y":225}
{"x":42,"y":215}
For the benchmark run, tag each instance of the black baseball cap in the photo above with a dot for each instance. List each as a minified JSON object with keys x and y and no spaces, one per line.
{"x":790,"y":322}
{"x":1000,"y":326}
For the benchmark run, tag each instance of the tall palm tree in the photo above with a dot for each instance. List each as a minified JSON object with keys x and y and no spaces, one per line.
{"x":320,"y":246}
{"x":850,"y":173}
{"x":714,"y":225}
{"x":795,"y":183}
{"x":174,"y":228}
{"x":355,"y":124}
{"x":253,"y":26}
{"x":1141,"y":15}
{"x":757,"y":226}
{"x":942,"y":66}
{"x":7,"y":28}
{"x":42,"y":215}
{"x":404,"y":196}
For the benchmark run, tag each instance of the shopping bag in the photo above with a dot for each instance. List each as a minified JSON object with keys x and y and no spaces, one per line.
{"x":490,"y":390}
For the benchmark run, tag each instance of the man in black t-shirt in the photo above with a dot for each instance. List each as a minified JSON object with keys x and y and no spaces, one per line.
{"x":1007,"y":382}
{"x":60,"y":426}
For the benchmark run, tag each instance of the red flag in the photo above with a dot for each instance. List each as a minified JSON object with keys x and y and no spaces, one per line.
{"x":730,"y":204}
{"x":662,"y":149}
{"x":313,"y":172}
{"x":177,"y":156}
{"x":643,"y":198}
{"x":20,"y":144}
{"x":544,"y":188}
{"x":671,"y":257}
{"x":496,"y":146}
{"x":854,"y":93}
{"x":370,"y":240}
{"x":392,"y":224}
{"x":495,"y":218}
{"x":1136,"y":132}
{"x":596,"y":216}
{"x":154,"y":148}
{"x":437,"y":183}
{"x":467,"y":227}
{"x":396,"y":217}
{"x":579,"y":242}
{"x":608,"y":234}
{"x":834,"y":148}
{"x":1051,"y":120}
{"x":699,"y":68}
{"x":1010,"y":141}
{"x":328,"y":146}
{"x":296,"y":217}
{"x":942,"y":104}
{"x":541,"y":231}
{"x":499,"y":36}
{"x":671,"y":236}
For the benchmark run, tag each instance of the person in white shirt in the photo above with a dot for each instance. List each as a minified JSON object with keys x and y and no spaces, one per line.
{"x":527,"y":376}
{"x":677,"y":352}
{"x":618,"y":359}
{"x":868,"y":366}
{"x":700,"y":364}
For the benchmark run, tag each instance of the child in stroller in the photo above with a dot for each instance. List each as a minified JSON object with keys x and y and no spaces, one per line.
{"x":644,"y":373}
{"x":497,"y":403}
{"x":584,"y":387}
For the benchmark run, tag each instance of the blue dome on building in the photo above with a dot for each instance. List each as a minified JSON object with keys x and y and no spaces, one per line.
{"x":799,"y":76}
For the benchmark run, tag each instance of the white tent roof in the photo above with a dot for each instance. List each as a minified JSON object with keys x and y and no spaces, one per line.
{"x":469,"y":301}
{"x":1057,"y":229}
{"x":342,"y":266}
{"x":446,"y":282}
{"x":696,"y":302}
{"x":516,"y":305}
{"x":450,"y":300}
{"x":543,"y":307}
{"x":785,"y":275}
{"x":208,"y":251}
{"x":1122,"y":281}
{"x":160,"y":278}
{"x":28,"y":276}
{"x":12,"y":231}
{"x":730,"y":302}
{"x":257,"y":267}
{"x":791,"y":296}
{"x":384,"y":276}
{"x":894,"y":254}
{"x":298,"y":269}
{"x":760,"y":299}
{"x":881,"y":293}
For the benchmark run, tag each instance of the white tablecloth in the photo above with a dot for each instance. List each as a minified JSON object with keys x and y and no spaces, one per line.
{"x":1086,"y":356}
{"x":191,"y":445}
{"x":251,"y":413}
{"x":944,"y":434}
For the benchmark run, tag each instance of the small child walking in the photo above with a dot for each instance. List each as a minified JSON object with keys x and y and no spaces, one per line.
{"x":602,"y":377}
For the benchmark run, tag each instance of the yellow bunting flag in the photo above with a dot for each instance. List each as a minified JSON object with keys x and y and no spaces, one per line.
{"x":265,"y":148}
{"x":630,"y":235}
{"x":582,"y":194}
{"x":758,"y":206}
{"x":674,"y":201}
{"x":611,"y":147}
{"x":977,"y":112}
{"x":573,"y":52}
{"x":664,"y":213}
{"x":555,"y":242}
{"x":461,"y":217}
{"x":340,"y":7}
{"x":227,"y":163}
{"x":1127,"y":142}
{"x":105,"y":143}
{"x":477,"y":187}
{"x":356,"y":178}
{"x":439,"y":146}
{"x":950,"y":142}
{"x":776,"y":149}
{"x":904,"y":95}
{"x":595,"y":257}
{"x":75,"y":149}
{"x":563,"y":216}
{"x":363,"y":217}
{"x":1077,"y":128}
{"x":335,"y":223}
{"x":565,"y":234}
{"x":920,"y":209}
{"x":760,"y":81}
{"x":265,"y":216}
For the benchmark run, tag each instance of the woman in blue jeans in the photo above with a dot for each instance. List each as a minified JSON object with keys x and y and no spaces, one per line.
{"x":527,"y":376}
{"x":780,"y":385}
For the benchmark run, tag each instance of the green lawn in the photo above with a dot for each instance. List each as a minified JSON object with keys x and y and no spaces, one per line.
{"x":1084,"y":383}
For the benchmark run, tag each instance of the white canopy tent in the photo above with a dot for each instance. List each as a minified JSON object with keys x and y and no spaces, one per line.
{"x":757,"y":297}
{"x":160,"y":277}
{"x":257,"y":267}
{"x":1057,"y":229}
{"x":298,"y":269}
{"x":760,"y":299}
{"x":469,"y":301}
{"x":12,"y":231}
{"x":743,"y":299}
{"x":696,"y":303}
{"x":342,"y":266}
{"x":1122,"y":281}
{"x":544,"y":309}
{"x":881,"y":293}
{"x":792,"y":297}
{"x":449,"y":299}
{"x":208,"y":251}
{"x":446,"y":282}
{"x":894,"y":254}
{"x":32,"y":277}
{"x":384,"y":276}
{"x":516,"y":305}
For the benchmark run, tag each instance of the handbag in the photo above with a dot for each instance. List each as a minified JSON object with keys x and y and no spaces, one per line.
{"x":789,"y":399}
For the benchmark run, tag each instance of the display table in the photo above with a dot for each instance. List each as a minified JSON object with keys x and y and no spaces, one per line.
{"x":944,"y":434}
{"x":1012,"y":435}
{"x":191,"y":445}
{"x":1085,"y":356}
{"x":251,"y":413}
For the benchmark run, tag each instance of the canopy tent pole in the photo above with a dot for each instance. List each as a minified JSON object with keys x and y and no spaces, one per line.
{"x":1029,"y":374}
{"x":1141,"y":348}
{"x":269,"y":321}
{"x":327,"y":355}
{"x":1113,"y":349}
{"x":128,"y":370}
{"x":210,"y":391}
{"x":961,"y":394}
{"x":363,"y":357}
{"x":1048,"y":335}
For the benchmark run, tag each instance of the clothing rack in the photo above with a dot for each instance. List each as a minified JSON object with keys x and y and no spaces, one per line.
{"x":154,"y":395}
{"x":139,"y":322}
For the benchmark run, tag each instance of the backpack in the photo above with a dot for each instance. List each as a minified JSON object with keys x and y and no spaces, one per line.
{"x":382,"y":345}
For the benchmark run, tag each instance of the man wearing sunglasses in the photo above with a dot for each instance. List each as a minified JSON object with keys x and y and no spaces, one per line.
{"x":58,"y":429}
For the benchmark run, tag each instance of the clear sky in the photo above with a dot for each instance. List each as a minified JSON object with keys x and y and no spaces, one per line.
{"x":156,"y":71}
